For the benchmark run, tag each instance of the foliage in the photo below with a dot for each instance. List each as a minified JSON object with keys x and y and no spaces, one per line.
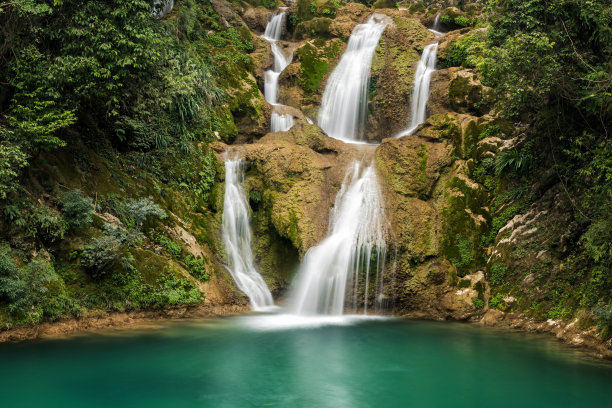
{"x":12,"y":159}
{"x":465,"y":248}
{"x":478,"y":303}
{"x":77,"y":210}
{"x":32,"y":291}
{"x":497,"y":301}
{"x":46,"y":224}
{"x":99,"y":257}
{"x":604,"y":315}
{"x":497,"y":274}
{"x":139,"y":210}
{"x":514,"y":160}
{"x":196,"y":268}
{"x":169,"y":245}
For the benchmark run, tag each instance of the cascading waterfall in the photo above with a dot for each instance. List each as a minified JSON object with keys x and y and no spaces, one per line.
{"x":237,"y":238}
{"x":160,"y":8}
{"x":280,"y":122}
{"x":343,"y":108}
{"x":274,"y":29}
{"x":420,"y":92}
{"x":436,"y":26}
{"x":344,"y":261}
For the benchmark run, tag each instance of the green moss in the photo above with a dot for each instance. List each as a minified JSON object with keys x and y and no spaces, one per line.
{"x":313,"y":68}
{"x":464,"y":225}
{"x":379,"y":4}
{"x":422,"y":154}
{"x":317,"y":27}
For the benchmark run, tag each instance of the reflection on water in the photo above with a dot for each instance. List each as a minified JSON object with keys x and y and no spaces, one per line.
{"x":282,"y":361}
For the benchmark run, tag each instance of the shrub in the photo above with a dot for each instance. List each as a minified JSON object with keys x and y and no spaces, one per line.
{"x":99,"y":257}
{"x":197,"y":268}
{"x":169,"y":245}
{"x":462,"y":21}
{"x":77,"y":210}
{"x":514,"y":160}
{"x":497,"y":302}
{"x":12,"y":159}
{"x":498,"y":274}
{"x":141,"y":209}
{"x":46,"y":224}
{"x":478,"y":303}
{"x":26,"y":289}
{"x":174,"y":290}
{"x":604,"y":317}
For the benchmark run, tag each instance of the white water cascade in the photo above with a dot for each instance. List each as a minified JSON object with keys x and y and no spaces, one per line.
{"x":436,"y":26}
{"x":280,"y":122}
{"x":274,"y":29}
{"x":420,"y":91}
{"x":237,"y":238}
{"x":345,"y":260}
{"x":343,"y":108}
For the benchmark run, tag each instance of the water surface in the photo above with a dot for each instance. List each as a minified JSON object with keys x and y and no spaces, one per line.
{"x":272,"y":361}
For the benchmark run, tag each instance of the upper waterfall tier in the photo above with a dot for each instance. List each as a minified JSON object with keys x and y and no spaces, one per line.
{"x":342,"y":262}
{"x":344,"y":105}
{"x":420,"y":93}
{"x":237,"y":238}
{"x":274,"y":29}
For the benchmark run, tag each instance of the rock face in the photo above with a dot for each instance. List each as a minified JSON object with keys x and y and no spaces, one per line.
{"x":453,"y":236}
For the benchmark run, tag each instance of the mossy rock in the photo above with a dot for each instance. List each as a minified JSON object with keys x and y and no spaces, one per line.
{"x":380,"y":4}
{"x":467,"y":95}
{"x":465,"y":219}
{"x":317,"y":27}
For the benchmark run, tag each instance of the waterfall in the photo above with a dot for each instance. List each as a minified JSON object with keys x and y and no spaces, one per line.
{"x":274,"y":29}
{"x":280,"y":123}
{"x":160,"y":8}
{"x":271,"y":76}
{"x":420,"y":91}
{"x":344,"y":105}
{"x":345,"y":260}
{"x":436,"y":26}
{"x":237,"y":238}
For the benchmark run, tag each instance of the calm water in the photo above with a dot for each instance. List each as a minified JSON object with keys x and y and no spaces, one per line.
{"x":264,"y":362}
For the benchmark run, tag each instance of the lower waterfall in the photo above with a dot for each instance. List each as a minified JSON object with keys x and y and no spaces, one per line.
{"x":237,"y":238}
{"x":351,"y":258}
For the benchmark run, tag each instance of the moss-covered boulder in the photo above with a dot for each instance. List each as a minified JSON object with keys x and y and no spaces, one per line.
{"x":467,"y":95}
{"x":317,"y":27}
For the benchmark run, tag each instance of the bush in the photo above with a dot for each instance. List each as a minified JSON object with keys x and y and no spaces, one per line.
{"x":174,"y":291}
{"x":513,"y":160}
{"x":462,"y":21}
{"x":46,"y":224}
{"x":478,"y":303}
{"x":141,"y":209}
{"x":497,"y":302}
{"x":196,"y":268}
{"x":12,"y":159}
{"x":26,"y":289}
{"x":77,"y":210}
{"x":497,"y":274}
{"x":604,"y":317}
{"x":99,"y":257}
{"x":169,"y":245}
